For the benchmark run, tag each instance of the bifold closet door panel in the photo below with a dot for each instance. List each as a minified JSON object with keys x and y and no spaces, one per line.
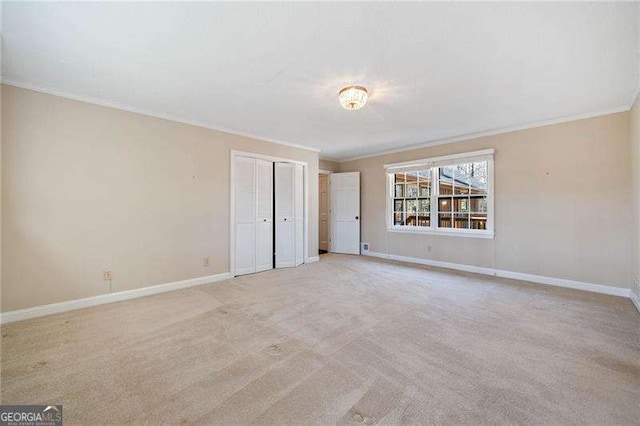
{"x":285,"y":250}
{"x":285,"y":215}
{"x":264,"y":215}
{"x":245,"y":214}
{"x":298,"y":201}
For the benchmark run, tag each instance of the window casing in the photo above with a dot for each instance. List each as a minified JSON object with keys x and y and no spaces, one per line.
{"x":443,"y":195}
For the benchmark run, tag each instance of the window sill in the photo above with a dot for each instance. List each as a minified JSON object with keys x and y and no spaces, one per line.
{"x":448,"y":232}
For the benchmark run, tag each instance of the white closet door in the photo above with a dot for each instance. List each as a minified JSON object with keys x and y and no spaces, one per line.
{"x":285,"y":215}
{"x":245,"y":216}
{"x":298,"y":201}
{"x":345,"y":212}
{"x":264,"y":215}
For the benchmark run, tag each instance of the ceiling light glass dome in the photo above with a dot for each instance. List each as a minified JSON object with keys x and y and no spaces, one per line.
{"x":353,"y":97}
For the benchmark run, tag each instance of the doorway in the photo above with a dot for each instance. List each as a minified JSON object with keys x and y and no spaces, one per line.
{"x":323,"y":214}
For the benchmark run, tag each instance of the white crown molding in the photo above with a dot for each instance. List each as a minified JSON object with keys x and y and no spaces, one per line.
{"x":169,"y":117}
{"x":558,"y":282}
{"x":333,"y":160}
{"x":427,"y":144}
{"x":469,"y":136}
{"x":55,"y":308}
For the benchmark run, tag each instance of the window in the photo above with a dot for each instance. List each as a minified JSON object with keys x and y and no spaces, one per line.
{"x":446,"y":195}
{"x":412,"y":198}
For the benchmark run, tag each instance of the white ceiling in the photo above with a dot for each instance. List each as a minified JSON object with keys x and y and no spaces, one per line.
{"x":434,"y":71}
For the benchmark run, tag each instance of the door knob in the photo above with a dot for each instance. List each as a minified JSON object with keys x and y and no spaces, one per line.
{"x":285,"y":219}
{"x":264,"y":220}
{"x":357,"y":218}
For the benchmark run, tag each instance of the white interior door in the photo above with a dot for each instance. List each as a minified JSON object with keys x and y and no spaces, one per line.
{"x":298,"y":210}
{"x":285,"y":215}
{"x":345,"y":212}
{"x":264,"y":215}
{"x":245,"y":216}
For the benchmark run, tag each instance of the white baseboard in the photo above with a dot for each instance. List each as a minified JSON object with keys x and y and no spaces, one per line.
{"x":635,"y":297}
{"x":312,"y":259}
{"x":559,"y":282}
{"x":54,"y":308}
{"x":636,"y":301}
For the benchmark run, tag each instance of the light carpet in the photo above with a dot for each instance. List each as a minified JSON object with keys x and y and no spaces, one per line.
{"x":347,"y":340}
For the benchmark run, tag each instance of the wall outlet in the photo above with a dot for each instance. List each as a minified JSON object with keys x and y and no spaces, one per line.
{"x":364,"y":247}
{"x":205,"y":261}
{"x":429,"y":249}
{"x":107,"y":275}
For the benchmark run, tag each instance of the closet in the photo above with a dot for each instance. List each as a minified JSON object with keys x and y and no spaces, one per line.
{"x":268,"y":215}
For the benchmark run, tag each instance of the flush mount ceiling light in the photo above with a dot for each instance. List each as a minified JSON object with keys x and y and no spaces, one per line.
{"x":353,"y":97}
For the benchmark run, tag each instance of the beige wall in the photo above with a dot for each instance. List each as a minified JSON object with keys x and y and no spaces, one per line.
{"x":635,"y":167}
{"x":87,"y":188}
{"x":562,"y":203}
{"x":329,"y":166}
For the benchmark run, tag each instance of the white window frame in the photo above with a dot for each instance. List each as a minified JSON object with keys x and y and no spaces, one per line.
{"x":432,"y":163}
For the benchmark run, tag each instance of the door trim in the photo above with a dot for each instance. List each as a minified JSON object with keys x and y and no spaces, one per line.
{"x":232,"y":202}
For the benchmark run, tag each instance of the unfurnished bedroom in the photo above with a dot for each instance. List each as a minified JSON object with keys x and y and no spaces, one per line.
{"x":318,"y":213}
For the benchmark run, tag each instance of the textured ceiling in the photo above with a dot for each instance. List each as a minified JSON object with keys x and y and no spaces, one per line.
{"x":434,"y":70}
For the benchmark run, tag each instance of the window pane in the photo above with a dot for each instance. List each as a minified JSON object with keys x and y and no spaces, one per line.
{"x":444,"y":204}
{"x":478,"y":177}
{"x":463,"y":170}
{"x":412,"y":176}
{"x":399,"y":178}
{"x":424,"y":220}
{"x":412,"y":206}
{"x":444,"y":220}
{"x":412,"y":190}
{"x":478,"y":204}
{"x":398,"y":205}
{"x":460,"y":187}
{"x":398,"y":218}
{"x":478,"y":221}
{"x":461,"y":204}
{"x":399,"y":190}
{"x":411,"y":219}
{"x":461,"y":220}
{"x":424,"y":176}
{"x":425,"y":189}
{"x":423,"y":206}
{"x":445,"y":180}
